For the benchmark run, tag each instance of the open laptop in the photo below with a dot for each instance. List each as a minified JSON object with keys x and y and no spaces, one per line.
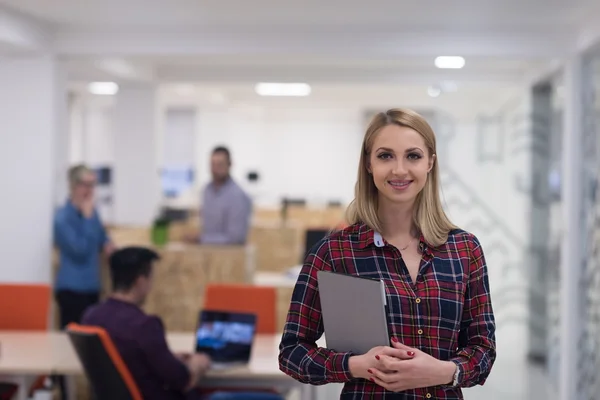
{"x":226,"y":337}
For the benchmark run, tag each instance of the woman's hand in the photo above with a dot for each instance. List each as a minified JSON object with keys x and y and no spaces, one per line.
{"x":421,"y":370}
{"x":377,"y":358}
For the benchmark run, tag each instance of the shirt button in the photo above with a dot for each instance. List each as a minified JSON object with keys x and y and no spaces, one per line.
{"x":417,"y":301}
{"x":420,"y":331}
{"x":428,"y":395}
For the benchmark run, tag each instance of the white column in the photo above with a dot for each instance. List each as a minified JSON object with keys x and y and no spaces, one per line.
{"x":32,"y":108}
{"x":571,"y":251}
{"x":136,"y":177}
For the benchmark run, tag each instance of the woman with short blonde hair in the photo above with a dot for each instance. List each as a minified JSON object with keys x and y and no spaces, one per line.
{"x":440,"y":317}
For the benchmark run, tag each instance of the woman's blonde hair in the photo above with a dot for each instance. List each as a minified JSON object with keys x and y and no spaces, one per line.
{"x":428,"y":216}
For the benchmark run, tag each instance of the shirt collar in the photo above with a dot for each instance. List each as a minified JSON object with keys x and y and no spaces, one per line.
{"x":368,"y":237}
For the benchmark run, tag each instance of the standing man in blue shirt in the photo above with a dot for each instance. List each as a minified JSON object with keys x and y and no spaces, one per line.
{"x":80,"y":238}
{"x":226,"y":208}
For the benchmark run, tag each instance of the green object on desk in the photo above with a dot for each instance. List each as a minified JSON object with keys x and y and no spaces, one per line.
{"x":160,"y":232}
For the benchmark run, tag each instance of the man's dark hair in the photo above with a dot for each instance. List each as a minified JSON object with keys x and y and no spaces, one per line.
{"x":128,"y":264}
{"x":223,"y":150}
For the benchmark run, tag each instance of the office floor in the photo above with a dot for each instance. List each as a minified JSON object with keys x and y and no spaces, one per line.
{"x":510,"y":379}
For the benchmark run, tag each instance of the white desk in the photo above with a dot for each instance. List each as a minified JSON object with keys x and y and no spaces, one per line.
{"x":27,"y":354}
{"x":286,"y":279}
{"x":274,"y":279}
{"x":30,"y":353}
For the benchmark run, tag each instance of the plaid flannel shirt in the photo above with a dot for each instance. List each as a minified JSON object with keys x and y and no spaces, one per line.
{"x":446,"y":313}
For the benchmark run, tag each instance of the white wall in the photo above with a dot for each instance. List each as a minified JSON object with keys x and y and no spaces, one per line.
{"x":91,"y":134}
{"x":136,"y":184}
{"x":32,"y":102}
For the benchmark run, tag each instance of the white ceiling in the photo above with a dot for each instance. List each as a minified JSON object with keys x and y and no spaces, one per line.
{"x":313,"y":40}
{"x":194,"y":13}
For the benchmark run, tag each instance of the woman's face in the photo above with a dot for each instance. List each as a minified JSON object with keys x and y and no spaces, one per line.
{"x":399,"y":163}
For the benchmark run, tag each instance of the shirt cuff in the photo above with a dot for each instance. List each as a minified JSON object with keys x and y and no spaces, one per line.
{"x":460,"y":364}
{"x":339,"y":368}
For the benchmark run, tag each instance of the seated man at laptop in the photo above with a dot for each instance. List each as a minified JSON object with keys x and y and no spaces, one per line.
{"x":140,"y":338}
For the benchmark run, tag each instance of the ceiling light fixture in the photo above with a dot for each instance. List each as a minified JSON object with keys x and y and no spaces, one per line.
{"x":282,"y":89}
{"x":103,"y":88}
{"x":449,"y":62}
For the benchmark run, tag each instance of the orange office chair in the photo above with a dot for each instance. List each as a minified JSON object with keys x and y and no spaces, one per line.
{"x":108,"y":375}
{"x":32,"y":310}
{"x":258,"y":300}
{"x":30,"y":313}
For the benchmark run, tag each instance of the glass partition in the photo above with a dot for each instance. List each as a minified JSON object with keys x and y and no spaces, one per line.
{"x":589,"y":357}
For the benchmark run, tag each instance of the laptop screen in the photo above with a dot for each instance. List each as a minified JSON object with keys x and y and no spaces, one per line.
{"x":226,"y":336}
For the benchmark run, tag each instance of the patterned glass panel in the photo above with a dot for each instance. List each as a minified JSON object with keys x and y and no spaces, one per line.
{"x":552,"y":269}
{"x":589,"y":360}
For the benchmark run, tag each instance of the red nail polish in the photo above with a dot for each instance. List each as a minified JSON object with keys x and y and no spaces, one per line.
{"x":369,"y":371}
{"x":394,"y":340}
{"x":377,"y":357}
{"x":372,"y":379}
{"x":410,"y":353}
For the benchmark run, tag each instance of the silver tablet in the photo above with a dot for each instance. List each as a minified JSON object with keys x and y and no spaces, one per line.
{"x":354,"y":312}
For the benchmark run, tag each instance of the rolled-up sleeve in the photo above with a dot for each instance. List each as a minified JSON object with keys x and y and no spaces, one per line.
{"x":299,"y":356}
{"x":477,"y":341}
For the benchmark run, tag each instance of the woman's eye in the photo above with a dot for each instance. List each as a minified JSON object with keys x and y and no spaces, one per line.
{"x":414,"y":156}
{"x":384,"y":156}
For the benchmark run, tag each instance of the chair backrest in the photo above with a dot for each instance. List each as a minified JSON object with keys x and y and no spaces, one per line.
{"x":24,"y":307}
{"x":108,"y":375}
{"x":261,"y":301}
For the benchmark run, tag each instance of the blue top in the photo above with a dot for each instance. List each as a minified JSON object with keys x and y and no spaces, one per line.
{"x":80,"y":241}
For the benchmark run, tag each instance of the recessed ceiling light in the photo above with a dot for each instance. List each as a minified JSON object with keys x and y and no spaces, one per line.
{"x":103,"y":88}
{"x":282,"y":89}
{"x":452,"y":62}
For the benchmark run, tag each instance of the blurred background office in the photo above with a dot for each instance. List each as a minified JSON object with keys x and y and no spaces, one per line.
{"x":144,"y":91}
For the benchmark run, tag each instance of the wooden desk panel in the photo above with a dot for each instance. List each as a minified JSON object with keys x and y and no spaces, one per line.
{"x":182,"y":275}
{"x":277,"y":248}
